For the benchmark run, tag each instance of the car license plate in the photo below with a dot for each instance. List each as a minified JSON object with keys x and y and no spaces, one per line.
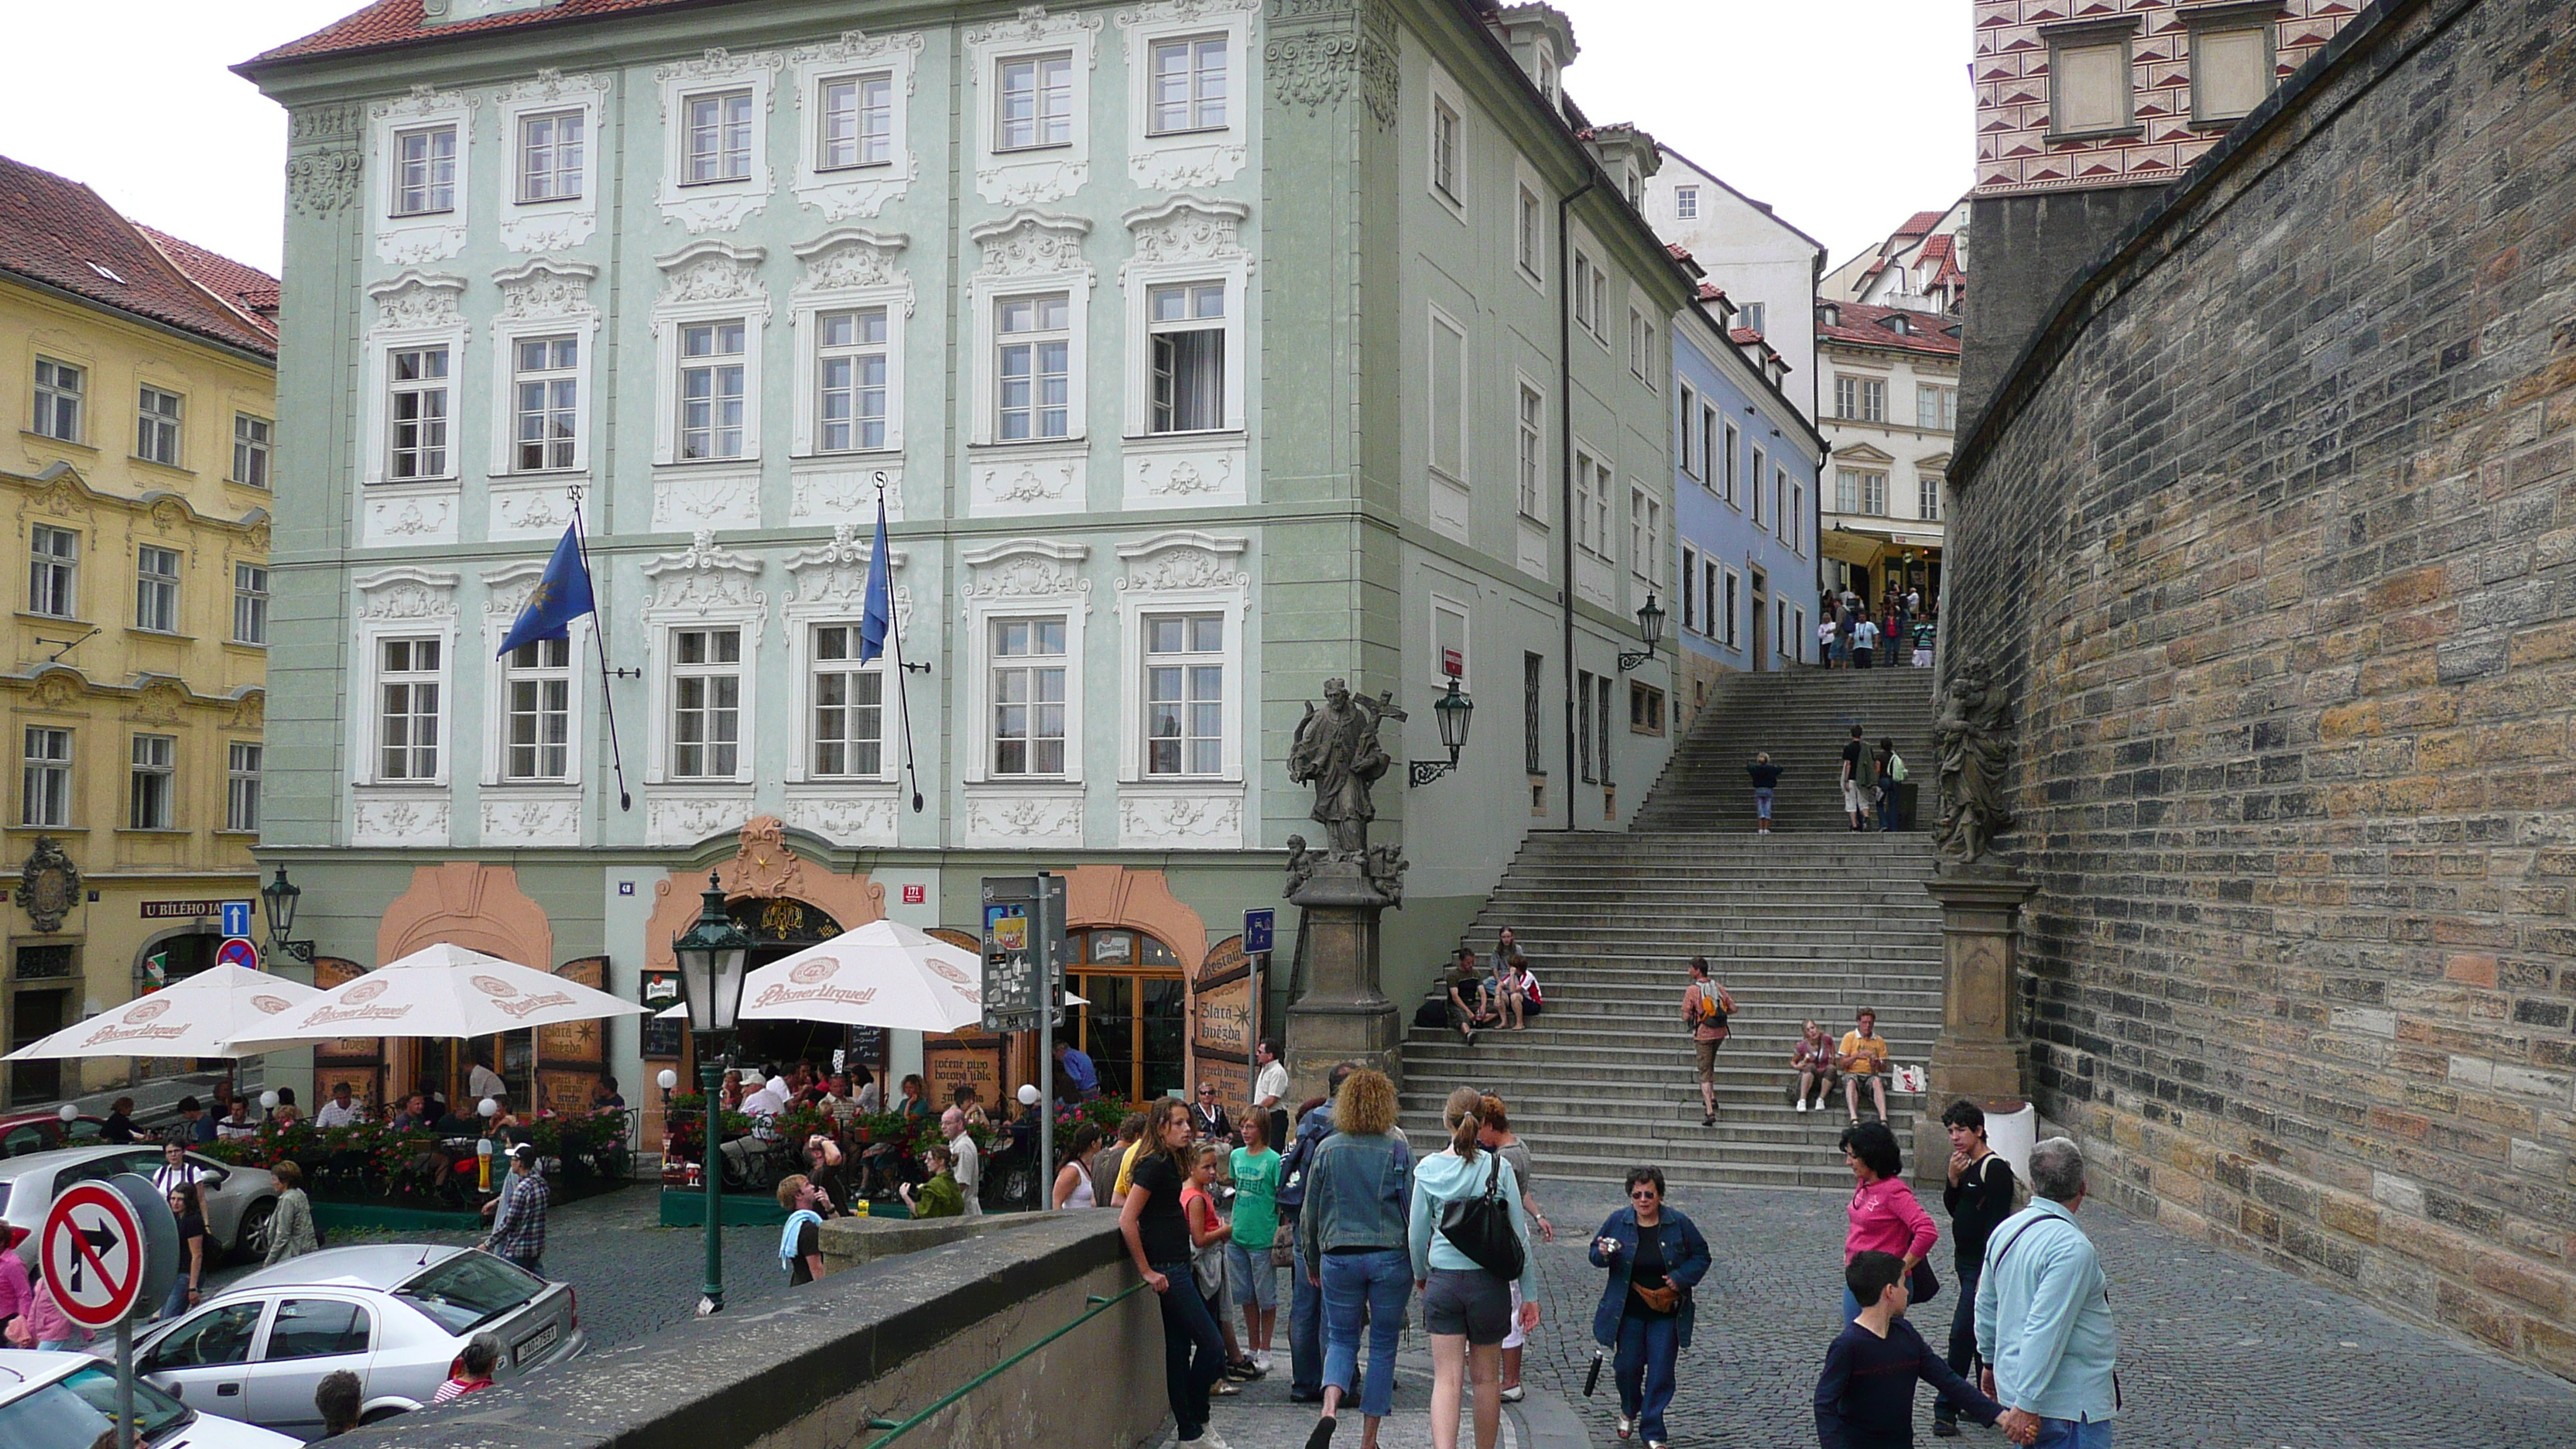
{"x":534,"y":1345}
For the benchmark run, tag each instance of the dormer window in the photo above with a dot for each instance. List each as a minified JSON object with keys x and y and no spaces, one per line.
{"x":1831,"y":314}
{"x":1897,"y":325}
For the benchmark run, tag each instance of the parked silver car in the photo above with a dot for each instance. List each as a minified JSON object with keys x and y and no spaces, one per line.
{"x":395,"y":1314}
{"x":239,"y":1200}
{"x":65,"y":1400}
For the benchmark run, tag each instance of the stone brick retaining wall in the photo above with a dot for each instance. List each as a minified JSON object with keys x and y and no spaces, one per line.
{"x":2271,"y":537}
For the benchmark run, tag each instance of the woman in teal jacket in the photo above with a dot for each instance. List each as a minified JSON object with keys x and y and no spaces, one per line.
{"x":1656,"y":1257}
{"x":1466,"y":1307}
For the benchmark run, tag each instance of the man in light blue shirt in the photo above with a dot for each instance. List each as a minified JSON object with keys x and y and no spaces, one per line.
{"x":1074,"y":1064}
{"x":2044,"y":1315}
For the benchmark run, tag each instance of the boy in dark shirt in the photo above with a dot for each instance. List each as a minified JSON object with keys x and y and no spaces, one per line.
{"x":1865,"y":1400}
{"x":1980,"y":1196}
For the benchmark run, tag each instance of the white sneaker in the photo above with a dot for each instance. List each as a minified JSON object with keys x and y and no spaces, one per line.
{"x":1261,"y":1361}
{"x":1802,"y":1104}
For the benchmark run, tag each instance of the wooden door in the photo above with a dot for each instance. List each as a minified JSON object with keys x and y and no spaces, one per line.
{"x":572,"y":1057}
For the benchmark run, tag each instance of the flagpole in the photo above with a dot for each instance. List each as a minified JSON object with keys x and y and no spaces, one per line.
{"x":599,"y":637}
{"x":894,"y":641}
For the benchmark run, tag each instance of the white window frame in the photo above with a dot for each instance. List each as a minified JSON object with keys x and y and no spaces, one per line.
{"x":1057,"y":590}
{"x":1530,"y":456}
{"x":873,"y":115}
{"x":705,"y":588}
{"x":569,"y":183}
{"x":1793,"y":521}
{"x":1927,"y":495}
{"x":250,"y":604}
{"x":809,"y":739}
{"x":1191,"y":294}
{"x":507,"y":673}
{"x":849,"y":270}
{"x":545,"y":298}
{"x":254,"y":450}
{"x":1641,"y":347}
{"x":738,"y":669}
{"x":1645,"y":535}
{"x":1044,"y":332}
{"x":1734,"y":452}
{"x":51,"y":398}
{"x":157,"y":591}
{"x":1167,"y":161}
{"x":830,"y":590}
{"x":1731,"y":582}
{"x":550,"y":373}
{"x":1034,"y":625}
{"x":1860,"y":492}
{"x":410,"y":238}
{"x":1752,"y":314}
{"x":684,"y":306}
{"x":720,"y":203}
{"x":62,"y":572}
{"x":1043,"y":173}
{"x":864,"y":190}
{"x":1590,"y":295}
{"x":401,"y":603}
{"x":1223,"y":591}
{"x":1186,"y":660}
{"x":1225,"y":262}
{"x":1754,"y":476}
{"x":1438,"y":321}
{"x":1444,"y":157}
{"x":416,"y":311}
{"x":1529,"y":235}
{"x":398,"y":170}
{"x":1686,"y":203}
{"x":157,"y":428}
{"x":1690,"y":590}
{"x":433,"y":461}
{"x":991,"y":285}
{"x":555,"y":223}
{"x":1686,"y":411}
{"x":1195,"y":46}
{"x":151,"y":755}
{"x":505,"y":595}
{"x":36,"y":756}
{"x":245,"y":785}
{"x":1945,"y":406}
{"x":1593,"y":481}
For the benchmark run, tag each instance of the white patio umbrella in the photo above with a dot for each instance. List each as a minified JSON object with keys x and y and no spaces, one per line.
{"x":190,"y":1018}
{"x":883,"y":974}
{"x":437,"y":991}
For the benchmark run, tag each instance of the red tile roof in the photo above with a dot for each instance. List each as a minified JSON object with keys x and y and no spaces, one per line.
{"x":246,"y":289}
{"x":1860,"y":323}
{"x":398,"y":22}
{"x":60,"y":233}
{"x":1921,"y":222}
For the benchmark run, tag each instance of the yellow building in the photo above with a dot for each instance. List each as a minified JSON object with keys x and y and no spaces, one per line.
{"x":138,"y":378}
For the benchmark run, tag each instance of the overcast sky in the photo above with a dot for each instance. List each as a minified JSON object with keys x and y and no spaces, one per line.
{"x":1846,"y":115}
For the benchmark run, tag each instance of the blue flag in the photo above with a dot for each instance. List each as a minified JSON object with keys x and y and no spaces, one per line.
{"x":562,"y":596}
{"x":876,"y":616}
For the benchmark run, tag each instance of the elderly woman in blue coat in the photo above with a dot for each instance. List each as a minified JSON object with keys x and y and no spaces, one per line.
{"x":1655,"y":1257}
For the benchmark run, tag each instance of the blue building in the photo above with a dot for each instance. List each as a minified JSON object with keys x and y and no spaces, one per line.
{"x":1744,"y":509}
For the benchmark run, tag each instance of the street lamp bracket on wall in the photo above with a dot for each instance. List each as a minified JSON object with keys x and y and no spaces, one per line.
{"x":1454,"y":711}
{"x":1650,"y":627}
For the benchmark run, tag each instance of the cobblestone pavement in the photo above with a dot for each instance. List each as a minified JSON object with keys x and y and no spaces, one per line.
{"x":633,"y":1275}
{"x":2216,"y":1352}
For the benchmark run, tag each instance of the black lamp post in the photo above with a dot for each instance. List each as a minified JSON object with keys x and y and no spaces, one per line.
{"x":712,"y":957}
{"x":1650,"y":627}
{"x":278,"y":900}
{"x":1453,"y":710}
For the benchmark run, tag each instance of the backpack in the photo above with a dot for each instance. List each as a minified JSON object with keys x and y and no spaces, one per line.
{"x":1896,"y":767}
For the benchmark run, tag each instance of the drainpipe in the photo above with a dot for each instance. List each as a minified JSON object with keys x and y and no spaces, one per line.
{"x":1565,"y":457}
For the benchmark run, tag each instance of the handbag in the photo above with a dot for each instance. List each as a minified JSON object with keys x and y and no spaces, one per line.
{"x":1922,"y":1285}
{"x":1481,"y":1227}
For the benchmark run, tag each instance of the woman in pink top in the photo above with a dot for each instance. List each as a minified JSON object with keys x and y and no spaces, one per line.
{"x":1885,"y":1218}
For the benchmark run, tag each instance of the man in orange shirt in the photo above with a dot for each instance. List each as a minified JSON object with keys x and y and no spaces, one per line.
{"x":1705,"y":1008}
{"x":1863,"y":1056}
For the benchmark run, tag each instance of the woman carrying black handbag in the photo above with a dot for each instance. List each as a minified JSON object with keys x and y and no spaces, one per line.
{"x":1470,"y":1241}
{"x":1656,"y":1256}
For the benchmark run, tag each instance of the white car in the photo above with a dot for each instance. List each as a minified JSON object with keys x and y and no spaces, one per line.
{"x":239,"y":1200}
{"x":395,"y":1314}
{"x":66,"y":1400}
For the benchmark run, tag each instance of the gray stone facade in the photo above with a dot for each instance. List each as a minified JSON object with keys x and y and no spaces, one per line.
{"x":2271,"y":539}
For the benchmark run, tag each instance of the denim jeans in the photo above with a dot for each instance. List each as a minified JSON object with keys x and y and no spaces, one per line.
{"x":1887,"y":805}
{"x":1193,"y":1351}
{"x":2073,"y":1434}
{"x":1963,"y":1340}
{"x":1250,"y":1280}
{"x":1378,"y":1283}
{"x":1305,"y":1331}
{"x":1761,"y":803}
{"x":1645,"y":1371}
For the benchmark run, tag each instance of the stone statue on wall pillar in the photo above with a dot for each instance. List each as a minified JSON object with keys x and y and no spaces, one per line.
{"x":1974,"y":731}
{"x":1337,"y":751}
{"x":1341,"y":889}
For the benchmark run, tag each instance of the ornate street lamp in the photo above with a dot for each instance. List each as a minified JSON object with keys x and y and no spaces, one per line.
{"x":1650,"y":627}
{"x":712,"y":956}
{"x":278,"y":900}
{"x":1453,"y":710}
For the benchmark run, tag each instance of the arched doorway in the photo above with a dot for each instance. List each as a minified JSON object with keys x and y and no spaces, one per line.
{"x":1137,"y":1023}
{"x":780,"y":927}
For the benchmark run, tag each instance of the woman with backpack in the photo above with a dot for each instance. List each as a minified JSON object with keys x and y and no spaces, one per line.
{"x":1470,"y":1240}
{"x":1655,"y":1256}
{"x":1889,"y":769}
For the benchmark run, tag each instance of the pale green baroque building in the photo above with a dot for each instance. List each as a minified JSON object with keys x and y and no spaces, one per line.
{"x":1201,"y":350}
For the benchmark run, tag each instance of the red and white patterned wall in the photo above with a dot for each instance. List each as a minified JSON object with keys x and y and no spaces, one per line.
{"x":2011,"y":70}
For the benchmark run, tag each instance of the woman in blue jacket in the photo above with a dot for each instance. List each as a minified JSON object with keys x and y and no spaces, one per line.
{"x":1655,"y":1257}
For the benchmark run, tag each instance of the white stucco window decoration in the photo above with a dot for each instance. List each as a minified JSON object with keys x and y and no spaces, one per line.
{"x":704,"y":624}
{"x":1531,"y":225}
{"x":715,"y":137}
{"x":535,"y":716}
{"x":848,"y":746}
{"x":409,"y":446}
{"x":1030,"y":309}
{"x":850,"y":309}
{"x":545,"y":338}
{"x":555,"y":127}
{"x":422,"y":199}
{"x":853,"y":105}
{"x":1186,"y":287}
{"x":1035,"y":583}
{"x":402,"y":649}
{"x":1444,"y":158}
{"x":1183,"y":602}
{"x":1030,"y":86}
{"x":708,"y":329}
{"x":1191,"y":97}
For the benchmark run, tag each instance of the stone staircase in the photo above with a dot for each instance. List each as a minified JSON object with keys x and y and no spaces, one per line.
{"x":1809,"y":921}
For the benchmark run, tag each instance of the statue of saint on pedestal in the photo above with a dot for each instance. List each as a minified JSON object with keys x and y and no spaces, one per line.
{"x":1337,"y":751}
{"x":1974,"y":730}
